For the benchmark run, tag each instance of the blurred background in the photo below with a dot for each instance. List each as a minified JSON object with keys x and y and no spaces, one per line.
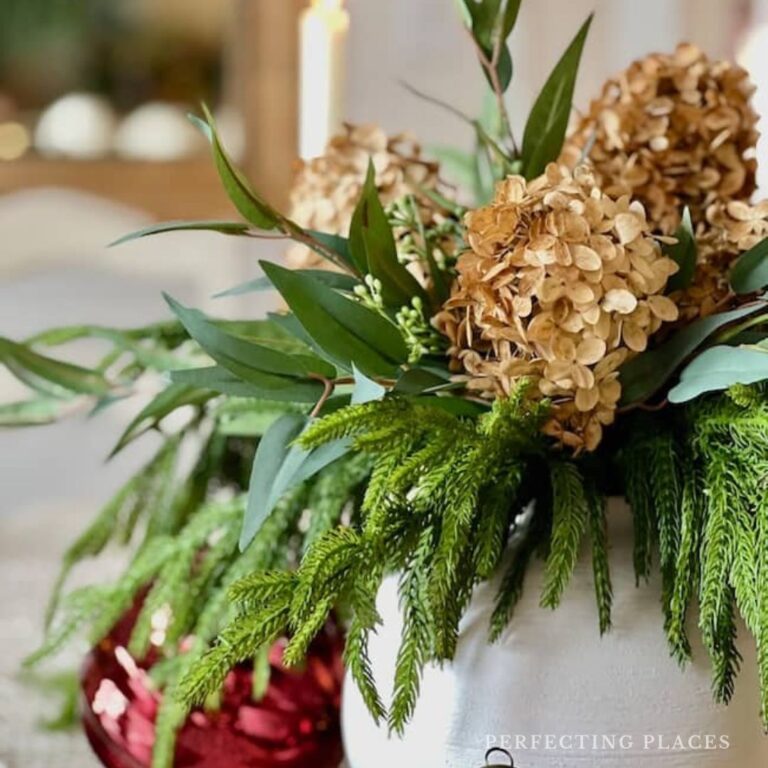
{"x":94,"y":143}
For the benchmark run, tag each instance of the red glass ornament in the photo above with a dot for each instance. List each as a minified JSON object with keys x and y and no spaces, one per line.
{"x":295,"y":724}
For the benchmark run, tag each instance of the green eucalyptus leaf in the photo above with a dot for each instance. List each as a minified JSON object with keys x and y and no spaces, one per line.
{"x":165,"y":402}
{"x":299,"y":464}
{"x":336,"y":244}
{"x":250,"y":206}
{"x":36,"y":371}
{"x":373,"y":249}
{"x":719,"y":368}
{"x":416,"y":381}
{"x":222,"y":227}
{"x":684,"y":253}
{"x":218,"y":379}
{"x":270,"y":455}
{"x":548,"y":121}
{"x":255,"y":363}
{"x":345,"y":330}
{"x":644,"y":375}
{"x":750,"y":272}
{"x":30,"y":413}
{"x":366,"y":390}
{"x":337,"y":280}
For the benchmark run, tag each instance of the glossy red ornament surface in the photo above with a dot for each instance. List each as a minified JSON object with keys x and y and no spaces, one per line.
{"x":295,"y":725}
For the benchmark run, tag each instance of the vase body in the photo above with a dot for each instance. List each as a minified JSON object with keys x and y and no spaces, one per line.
{"x":555,"y":694}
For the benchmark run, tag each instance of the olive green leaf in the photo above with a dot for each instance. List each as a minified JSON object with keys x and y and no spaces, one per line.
{"x":548,"y":121}
{"x":373,"y":248}
{"x":750,"y":272}
{"x":346,"y":331}
{"x":47,"y":375}
{"x":336,"y":280}
{"x":165,"y":402}
{"x":222,"y":227}
{"x":646,"y":374}
{"x":248,"y":360}
{"x":250,"y":205}
{"x":684,"y":253}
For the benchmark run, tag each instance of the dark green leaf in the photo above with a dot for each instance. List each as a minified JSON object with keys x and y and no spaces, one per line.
{"x":647,"y":373}
{"x":270,"y":455}
{"x":222,"y":227}
{"x":218,"y":379}
{"x":251,"y":362}
{"x":35,"y":369}
{"x":509,"y":17}
{"x":750,"y":273}
{"x":250,"y":206}
{"x":172,"y":397}
{"x":337,"y":280}
{"x":718,"y":368}
{"x":336,"y":244}
{"x":548,"y":121}
{"x":417,"y":380}
{"x":373,"y":249}
{"x":347,"y":331}
{"x":684,"y":253}
{"x":458,"y":406}
{"x":491,"y":22}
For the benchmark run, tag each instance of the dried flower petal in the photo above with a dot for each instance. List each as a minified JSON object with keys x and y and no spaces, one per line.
{"x":557,"y":288}
{"x":672,"y":131}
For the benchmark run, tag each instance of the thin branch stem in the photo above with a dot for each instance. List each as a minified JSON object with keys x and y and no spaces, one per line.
{"x":491,"y":68}
{"x":328,"y":388}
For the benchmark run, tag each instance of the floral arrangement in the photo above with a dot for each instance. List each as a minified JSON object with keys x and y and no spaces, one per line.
{"x":593,"y":324}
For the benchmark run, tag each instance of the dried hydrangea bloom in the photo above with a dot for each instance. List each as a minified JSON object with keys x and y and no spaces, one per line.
{"x":672,"y":131}
{"x":327,"y":188}
{"x":561,"y":284}
{"x":731,"y":229}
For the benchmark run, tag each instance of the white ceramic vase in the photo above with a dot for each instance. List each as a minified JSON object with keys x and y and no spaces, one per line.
{"x":557,"y":695}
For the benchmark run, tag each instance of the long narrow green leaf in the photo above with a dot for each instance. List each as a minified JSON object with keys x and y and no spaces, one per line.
{"x":251,"y":207}
{"x":337,"y":280}
{"x":336,"y":244}
{"x":684,"y":253}
{"x":218,"y":379}
{"x":647,"y":373}
{"x":222,"y":227}
{"x":172,"y":397}
{"x":21,"y":360}
{"x":270,"y":456}
{"x":346,"y":331}
{"x":750,"y":273}
{"x":29,"y":413}
{"x":248,"y":360}
{"x":548,"y":121}
{"x":373,"y":249}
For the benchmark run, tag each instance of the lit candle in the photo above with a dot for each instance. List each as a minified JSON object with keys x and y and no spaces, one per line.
{"x":323,"y":38}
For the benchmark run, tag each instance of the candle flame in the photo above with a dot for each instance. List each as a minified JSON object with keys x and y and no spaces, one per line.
{"x":328,"y":5}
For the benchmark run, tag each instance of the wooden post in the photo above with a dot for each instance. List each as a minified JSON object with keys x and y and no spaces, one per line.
{"x":266,"y":86}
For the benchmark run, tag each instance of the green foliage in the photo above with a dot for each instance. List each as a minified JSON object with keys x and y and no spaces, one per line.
{"x":373,"y":249}
{"x":548,"y":121}
{"x":644,"y":375}
{"x":684,"y":253}
{"x":719,"y":368}
{"x":347,"y":332}
{"x":750,"y":272}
